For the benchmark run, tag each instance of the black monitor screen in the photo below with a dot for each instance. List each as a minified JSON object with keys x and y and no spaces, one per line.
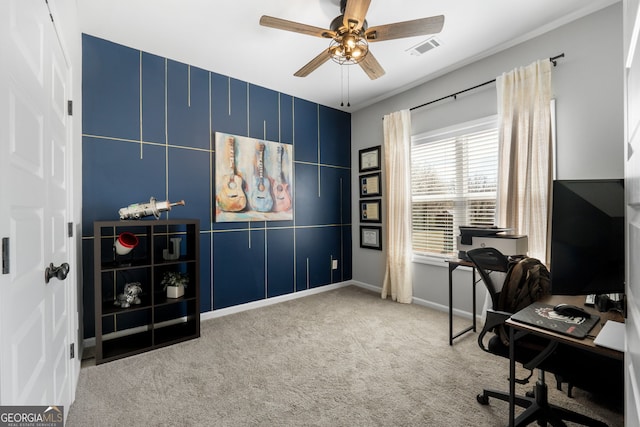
{"x":587,"y":237}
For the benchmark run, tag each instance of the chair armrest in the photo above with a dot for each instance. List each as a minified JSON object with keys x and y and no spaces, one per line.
{"x":533,"y":363}
{"x":494,"y":318}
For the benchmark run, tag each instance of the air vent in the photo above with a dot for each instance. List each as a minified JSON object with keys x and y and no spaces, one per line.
{"x":424,"y":47}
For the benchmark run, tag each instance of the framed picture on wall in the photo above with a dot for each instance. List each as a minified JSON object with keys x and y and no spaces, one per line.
{"x":371,"y":237}
{"x":370,"y":211}
{"x":253,"y":179}
{"x":369,"y":159}
{"x":370,"y":185}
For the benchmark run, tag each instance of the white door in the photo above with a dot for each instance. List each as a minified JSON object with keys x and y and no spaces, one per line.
{"x":36,"y":318}
{"x":632,"y":185}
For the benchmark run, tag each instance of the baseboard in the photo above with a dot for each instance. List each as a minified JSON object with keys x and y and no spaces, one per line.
{"x":372,"y":288}
{"x":422,"y":302}
{"x":270,"y":301}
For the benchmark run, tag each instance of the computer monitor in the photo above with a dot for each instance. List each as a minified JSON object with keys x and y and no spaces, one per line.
{"x":587,"y":237}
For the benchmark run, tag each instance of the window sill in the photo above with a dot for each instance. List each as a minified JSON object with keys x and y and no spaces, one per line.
{"x":438,"y":261}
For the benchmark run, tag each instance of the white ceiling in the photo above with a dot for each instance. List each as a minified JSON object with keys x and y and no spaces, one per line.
{"x":225,"y":37}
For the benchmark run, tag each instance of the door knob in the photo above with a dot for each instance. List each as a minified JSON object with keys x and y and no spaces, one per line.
{"x":58,"y":272}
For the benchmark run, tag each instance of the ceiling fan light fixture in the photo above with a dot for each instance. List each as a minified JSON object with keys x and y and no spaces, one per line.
{"x":348,"y":49}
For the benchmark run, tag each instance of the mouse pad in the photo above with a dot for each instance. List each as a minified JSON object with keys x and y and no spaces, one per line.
{"x":543,"y":316}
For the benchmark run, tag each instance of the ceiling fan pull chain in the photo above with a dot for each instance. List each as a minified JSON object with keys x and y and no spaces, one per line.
{"x":348,"y":88}
{"x":341,"y":86}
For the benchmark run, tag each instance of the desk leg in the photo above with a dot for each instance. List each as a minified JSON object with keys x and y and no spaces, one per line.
{"x":473,"y":276}
{"x":451,"y":268}
{"x":473,"y":326}
{"x":512,"y":378}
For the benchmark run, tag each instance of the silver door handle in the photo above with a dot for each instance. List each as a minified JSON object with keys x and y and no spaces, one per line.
{"x":58,"y":272}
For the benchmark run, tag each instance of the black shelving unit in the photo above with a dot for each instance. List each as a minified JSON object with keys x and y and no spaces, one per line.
{"x":157,"y":321}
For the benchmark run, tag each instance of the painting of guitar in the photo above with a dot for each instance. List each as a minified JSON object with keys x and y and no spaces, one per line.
{"x":280,"y":188}
{"x":231,"y":197}
{"x":261,"y":200}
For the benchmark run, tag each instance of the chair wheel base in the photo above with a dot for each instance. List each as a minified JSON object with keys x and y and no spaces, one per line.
{"x":482,"y":399}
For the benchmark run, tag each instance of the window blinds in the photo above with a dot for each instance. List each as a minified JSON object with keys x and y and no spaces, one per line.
{"x":453,"y":179}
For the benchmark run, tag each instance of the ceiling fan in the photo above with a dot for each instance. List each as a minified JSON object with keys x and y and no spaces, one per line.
{"x":350,"y":36}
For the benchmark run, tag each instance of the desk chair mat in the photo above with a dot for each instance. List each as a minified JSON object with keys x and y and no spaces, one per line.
{"x":543,"y":316}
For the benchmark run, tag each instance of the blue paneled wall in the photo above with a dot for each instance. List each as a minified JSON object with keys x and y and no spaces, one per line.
{"x":148,"y":130}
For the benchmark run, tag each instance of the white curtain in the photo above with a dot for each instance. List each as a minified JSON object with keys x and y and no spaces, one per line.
{"x":526,"y":157}
{"x":398,"y":281}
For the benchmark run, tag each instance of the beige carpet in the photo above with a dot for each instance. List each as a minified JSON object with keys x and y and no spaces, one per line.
{"x":339,"y":358}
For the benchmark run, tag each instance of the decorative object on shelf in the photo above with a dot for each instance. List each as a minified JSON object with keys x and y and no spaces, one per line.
{"x":125,"y":243}
{"x":174,"y":283}
{"x":139,"y":210}
{"x":369,"y":159}
{"x":129,"y":296}
{"x":370,"y":185}
{"x":173,"y":252}
{"x":371,"y":237}
{"x":370,"y":211}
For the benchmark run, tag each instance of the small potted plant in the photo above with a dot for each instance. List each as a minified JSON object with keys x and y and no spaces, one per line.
{"x":174,"y":283}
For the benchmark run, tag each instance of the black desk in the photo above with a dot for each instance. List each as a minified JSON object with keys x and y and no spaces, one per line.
{"x":453,"y":264}
{"x":583,"y":344}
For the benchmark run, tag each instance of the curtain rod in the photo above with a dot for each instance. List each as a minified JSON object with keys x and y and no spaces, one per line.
{"x":553,"y":59}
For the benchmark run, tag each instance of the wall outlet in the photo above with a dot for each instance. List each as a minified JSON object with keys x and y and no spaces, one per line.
{"x":334,"y":264}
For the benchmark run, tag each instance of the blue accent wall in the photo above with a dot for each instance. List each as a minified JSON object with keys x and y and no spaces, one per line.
{"x":148,"y":129}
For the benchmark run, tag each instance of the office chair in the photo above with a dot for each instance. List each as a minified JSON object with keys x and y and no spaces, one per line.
{"x":532,"y":352}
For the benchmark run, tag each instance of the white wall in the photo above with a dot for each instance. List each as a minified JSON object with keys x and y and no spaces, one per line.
{"x":588,"y":88}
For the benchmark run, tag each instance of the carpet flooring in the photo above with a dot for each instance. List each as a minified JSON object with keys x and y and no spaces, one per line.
{"x":344,"y":357}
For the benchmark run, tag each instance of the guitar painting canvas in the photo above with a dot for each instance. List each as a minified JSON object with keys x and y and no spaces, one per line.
{"x":253,"y":179}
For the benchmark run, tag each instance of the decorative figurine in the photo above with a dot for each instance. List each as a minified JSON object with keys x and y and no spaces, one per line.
{"x":139,"y":210}
{"x":129,"y":296}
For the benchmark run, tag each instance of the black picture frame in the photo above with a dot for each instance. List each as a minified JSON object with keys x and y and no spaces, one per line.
{"x":371,"y":237}
{"x":371,"y":185}
{"x":371,"y":210}
{"x":369,"y":159}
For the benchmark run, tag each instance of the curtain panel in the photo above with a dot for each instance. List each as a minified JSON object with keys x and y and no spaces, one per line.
{"x":398,"y":280}
{"x":525,"y":164}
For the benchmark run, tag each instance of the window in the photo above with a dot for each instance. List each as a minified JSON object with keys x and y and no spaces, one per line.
{"x":453,"y":182}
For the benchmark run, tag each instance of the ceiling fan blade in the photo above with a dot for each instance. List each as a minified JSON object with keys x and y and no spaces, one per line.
{"x":417,"y":27}
{"x":355,"y":13}
{"x":371,"y":66}
{"x":313,"y":64}
{"x":296,"y":27}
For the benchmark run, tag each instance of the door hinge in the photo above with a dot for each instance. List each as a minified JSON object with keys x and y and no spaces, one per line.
{"x":70,"y":107}
{"x":72,"y":350}
{"x":5,"y":255}
{"x":70,"y":229}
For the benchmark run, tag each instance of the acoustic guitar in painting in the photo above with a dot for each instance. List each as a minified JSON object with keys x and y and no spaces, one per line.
{"x":261,"y":200}
{"x":231,"y":197}
{"x":280,"y":188}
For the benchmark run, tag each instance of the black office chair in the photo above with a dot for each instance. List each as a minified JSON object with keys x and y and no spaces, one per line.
{"x":532,"y":352}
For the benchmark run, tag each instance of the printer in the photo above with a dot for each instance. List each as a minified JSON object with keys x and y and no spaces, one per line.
{"x":490,"y":237}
